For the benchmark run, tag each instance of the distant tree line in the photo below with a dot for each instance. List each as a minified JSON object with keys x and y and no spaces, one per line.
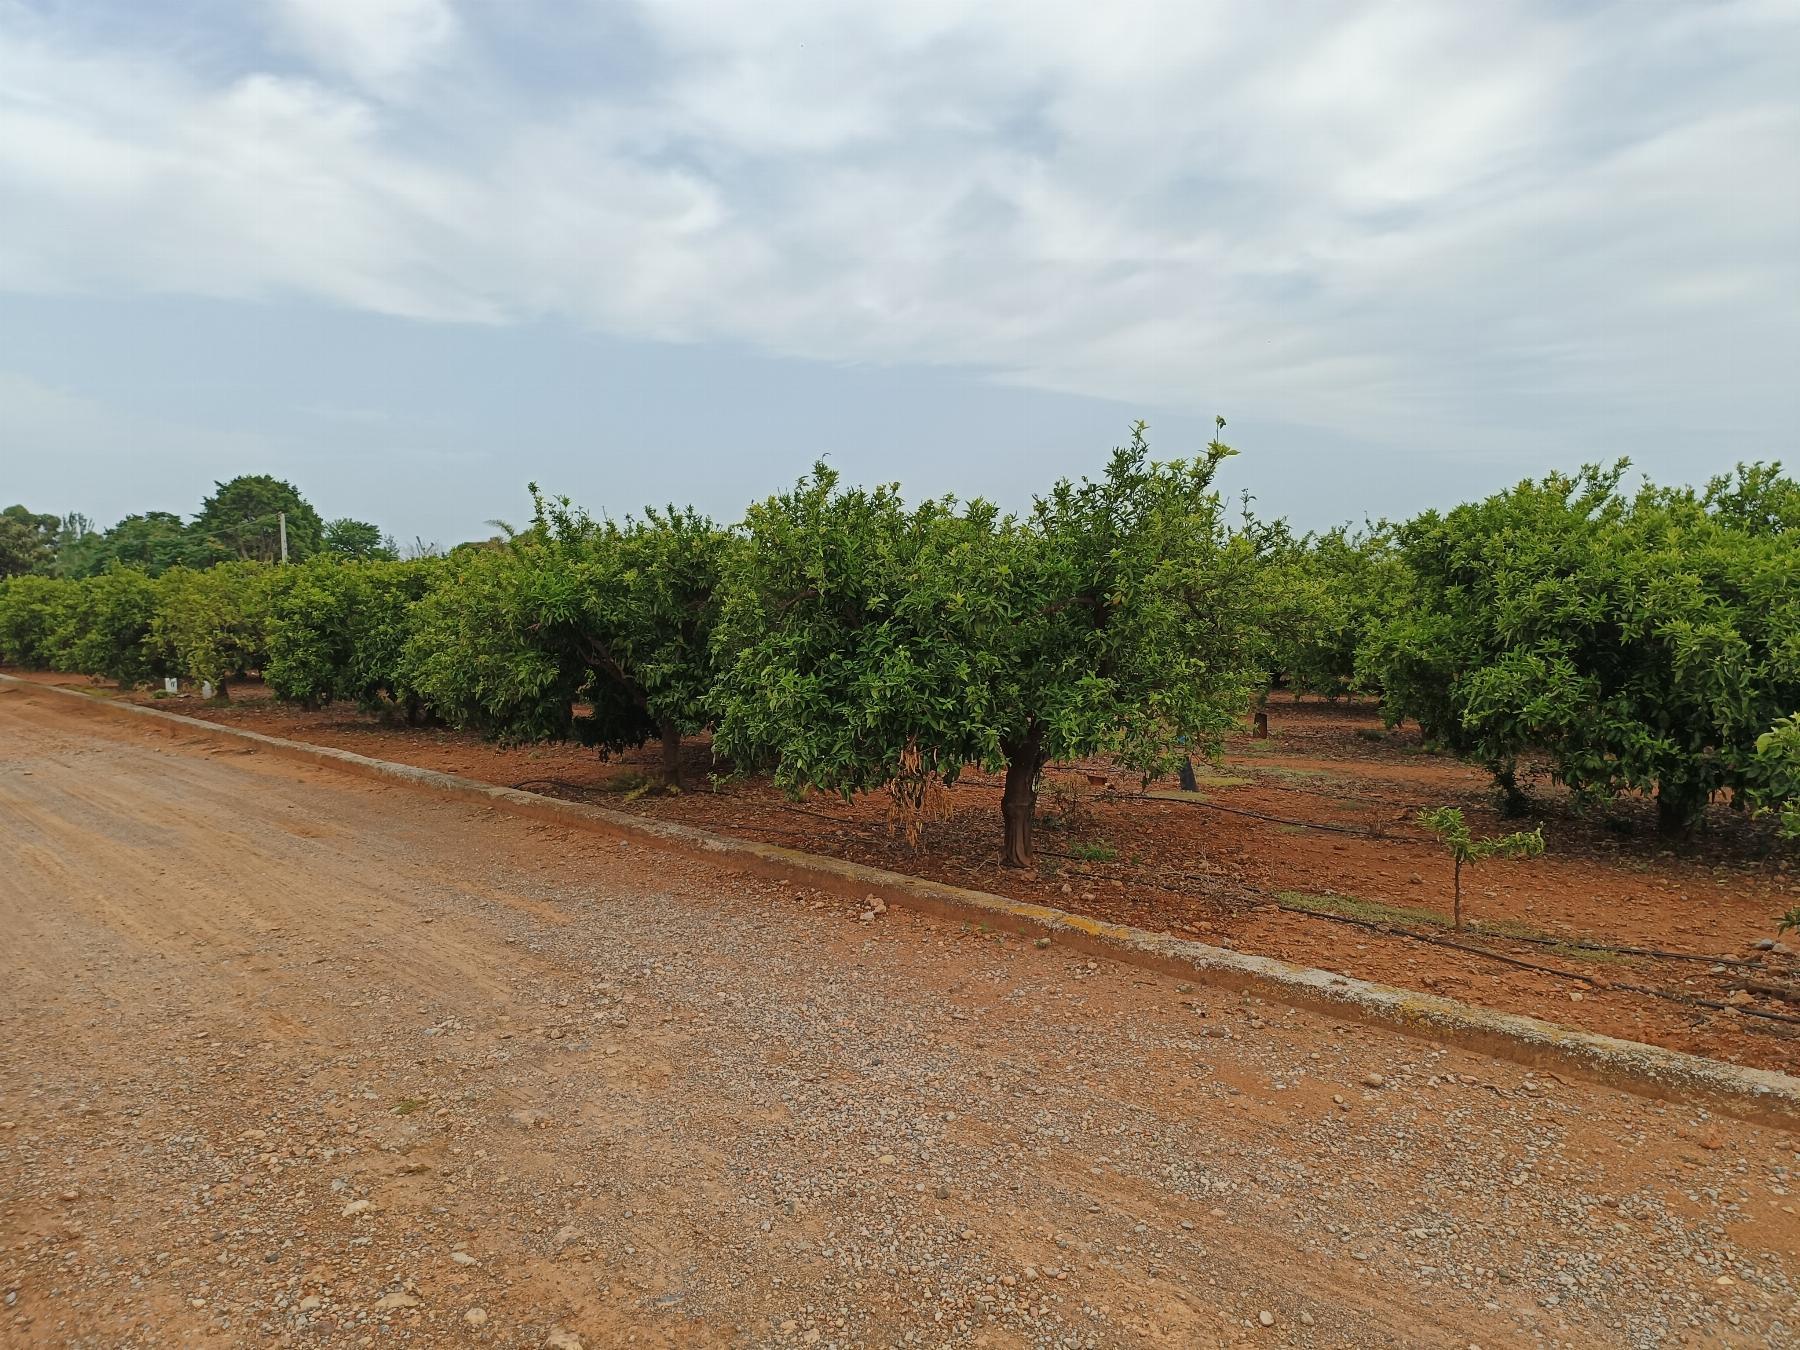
{"x":239,"y":522}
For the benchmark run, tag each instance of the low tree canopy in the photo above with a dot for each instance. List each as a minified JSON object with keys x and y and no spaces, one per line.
{"x":1640,"y":643}
{"x":867,"y":640}
{"x":339,"y":630}
{"x":1776,"y":773}
{"x":635,"y":604}
{"x":213,"y":625}
{"x":104,"y":628}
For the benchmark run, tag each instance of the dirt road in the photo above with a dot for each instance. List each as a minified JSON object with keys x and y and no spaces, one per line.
{"x":299,"y":1059}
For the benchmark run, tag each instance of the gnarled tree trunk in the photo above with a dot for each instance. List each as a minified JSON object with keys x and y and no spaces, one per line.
{"x":1018,"y":803}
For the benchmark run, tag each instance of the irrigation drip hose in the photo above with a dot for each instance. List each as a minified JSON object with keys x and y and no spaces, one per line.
{"x":820,"y":815}
{"x":1671,"y":995}
{"x":1589,"y":945}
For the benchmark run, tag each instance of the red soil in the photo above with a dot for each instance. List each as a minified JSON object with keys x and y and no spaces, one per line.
{"x":1207,"y":869}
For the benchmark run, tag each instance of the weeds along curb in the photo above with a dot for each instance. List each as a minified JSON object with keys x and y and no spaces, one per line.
{"x":1759,"y":1095}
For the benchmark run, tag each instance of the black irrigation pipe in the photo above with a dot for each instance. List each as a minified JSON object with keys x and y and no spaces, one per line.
{"x":1393,"y":930}
{"x":1671,"y":995}
{"x":1589,"y":945}
{"x":581,"y":789}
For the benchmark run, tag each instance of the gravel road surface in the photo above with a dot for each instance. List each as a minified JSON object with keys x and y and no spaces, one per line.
{"x":298,"y":1059}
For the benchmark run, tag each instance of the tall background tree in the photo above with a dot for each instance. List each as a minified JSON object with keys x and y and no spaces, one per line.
{"x":27,"y":541}
{"x":241,"y":520}
{"x":346,"y":538}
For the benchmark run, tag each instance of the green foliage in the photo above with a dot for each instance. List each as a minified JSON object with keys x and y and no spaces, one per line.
{"x":27,"y":541}
{"x":863,"y":640}
{"x":104,"y":628}
{"x":1640,"y":643}
{"x":1447,"y":823}
{"x":1789,"y":921}
{"x":1775,"y":773}
{"x":33,"y":609}
{"x":471,"y":656}
{"x":635,"y":604}
{"x":78,"y":544}
{"x":358,"y":540}
{"x":241,"y":520}
{"x":213,"y":625}
{"x":339,"y":630}
{"x":846,"y":641}
{"x":1316,"y":597}
{"x":153,"y":542}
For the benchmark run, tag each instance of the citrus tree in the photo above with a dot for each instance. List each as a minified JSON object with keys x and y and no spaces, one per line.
{"x":1776,"y":773}
{"x":32,"y":609}
{"x":862,"y":640}
{"x":1316,"y":597}
{"x":471,"y":657}
{"x":103,"y":629}
{"x":338,"y":630}
{"x":635,"y":603}
{"x":1638,"y":643}
{"x":212,"y":625}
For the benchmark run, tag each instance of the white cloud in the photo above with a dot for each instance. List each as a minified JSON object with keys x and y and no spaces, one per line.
{"x":1407,"y":220}
{"x":376,"y":42}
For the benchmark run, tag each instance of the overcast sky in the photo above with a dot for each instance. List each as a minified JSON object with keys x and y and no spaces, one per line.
{"x":412,"y":254}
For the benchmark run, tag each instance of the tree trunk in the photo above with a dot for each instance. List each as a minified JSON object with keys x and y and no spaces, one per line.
{"x":1260,"y":727}
{"x":1513,"y":801}
{"x":671,"y":756}
{"x":1456,"y":904}
{"x":1677,"y":809}
{"x":1018,"y":803}
{"x":220,"y":691}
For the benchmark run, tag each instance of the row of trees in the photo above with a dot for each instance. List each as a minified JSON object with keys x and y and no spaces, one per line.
{"x":1644,"y":641}
{"x":842,"y":639}
{"x":241,"y":521}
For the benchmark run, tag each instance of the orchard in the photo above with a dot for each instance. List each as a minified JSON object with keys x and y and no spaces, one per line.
{"x":843,"y":640}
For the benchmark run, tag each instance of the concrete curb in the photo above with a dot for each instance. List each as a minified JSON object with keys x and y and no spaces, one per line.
{"x":1758,"y":1095}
